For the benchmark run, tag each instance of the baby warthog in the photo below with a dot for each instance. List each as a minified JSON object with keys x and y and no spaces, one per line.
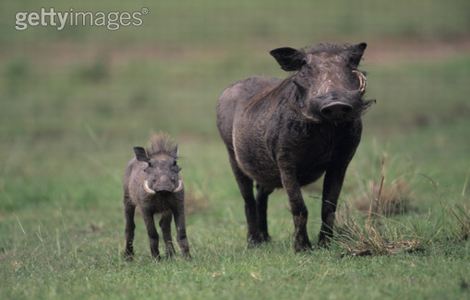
{"x":289,"y":132}
{"x":153,"y":184}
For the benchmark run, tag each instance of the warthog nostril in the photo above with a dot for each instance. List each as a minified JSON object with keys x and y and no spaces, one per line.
{"x":336,"y":110}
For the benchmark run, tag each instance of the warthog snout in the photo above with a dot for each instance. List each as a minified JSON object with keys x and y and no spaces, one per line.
{"x":164,"y":184}
{"x":336,"y":110}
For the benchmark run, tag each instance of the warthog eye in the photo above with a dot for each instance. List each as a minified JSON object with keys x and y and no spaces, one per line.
{"x":149,"y":166}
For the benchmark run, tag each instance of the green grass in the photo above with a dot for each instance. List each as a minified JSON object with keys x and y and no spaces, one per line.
{"x":73,"y":103}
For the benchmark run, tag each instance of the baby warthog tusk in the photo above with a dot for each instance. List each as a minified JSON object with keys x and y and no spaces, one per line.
{"x":180,"y":187}
{"x":147,"y":188}
{"x":362,"y":80}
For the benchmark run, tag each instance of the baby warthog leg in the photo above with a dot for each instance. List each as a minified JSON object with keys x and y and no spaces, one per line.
{"x":129,"y":211}
{"x":180,"y":223}
{"x":152,"y":234}
{"x":165,"y":225}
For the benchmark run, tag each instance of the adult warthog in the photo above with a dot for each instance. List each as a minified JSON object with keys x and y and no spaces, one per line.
{"x":288,"y":133}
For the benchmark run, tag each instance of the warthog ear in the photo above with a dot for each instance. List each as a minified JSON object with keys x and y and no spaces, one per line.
{"x":289,"y":59}
{"x":140,"y":154}
{"x":356,"y":54}
{"x":174,"y":152}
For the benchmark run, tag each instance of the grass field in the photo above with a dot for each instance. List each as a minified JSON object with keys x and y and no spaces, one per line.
{"x":74,"y":102}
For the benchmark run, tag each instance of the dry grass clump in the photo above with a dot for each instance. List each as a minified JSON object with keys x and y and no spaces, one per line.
{"x":373,"y":236}
{"x":376,"y":234}
{"x":461,"y":216}
{"x":383,"y":198}
{"x":386,"y":199}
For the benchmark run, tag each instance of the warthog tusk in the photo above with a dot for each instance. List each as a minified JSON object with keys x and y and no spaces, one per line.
{"x":180,"y":187}
{"x":147,"y":188}
{"x":362,"y":80}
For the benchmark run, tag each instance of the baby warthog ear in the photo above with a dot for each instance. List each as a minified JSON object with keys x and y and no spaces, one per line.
{"x":174,"y":152}
{"x":140,"y":154}
{"x":289,"y":59}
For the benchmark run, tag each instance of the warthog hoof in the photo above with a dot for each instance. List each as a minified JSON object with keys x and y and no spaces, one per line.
{"x":128,"y":255}
{"x":264,"y":237}
{"x":254,"y":240}
{"x":302,"y":244}
{"x":157,"y":258}
{"x":324,"y":240}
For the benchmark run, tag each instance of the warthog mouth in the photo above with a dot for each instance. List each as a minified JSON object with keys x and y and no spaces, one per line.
{"x":366,"y":104}
{"x":149,"y":190}
{"x":179,"y":188}
{"x":311,"y":118}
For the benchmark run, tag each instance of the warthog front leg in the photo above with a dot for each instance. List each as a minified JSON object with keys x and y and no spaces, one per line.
{"x":152,"y":233}
{"x":298,"y":208}
{"x":333,"y":182}
{"x":165,"y":225}
{"x":129,"y":211}
{"x":332,"y":185}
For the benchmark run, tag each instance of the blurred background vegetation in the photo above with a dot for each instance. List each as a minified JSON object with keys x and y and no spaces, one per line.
{"x":74,"y":102}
